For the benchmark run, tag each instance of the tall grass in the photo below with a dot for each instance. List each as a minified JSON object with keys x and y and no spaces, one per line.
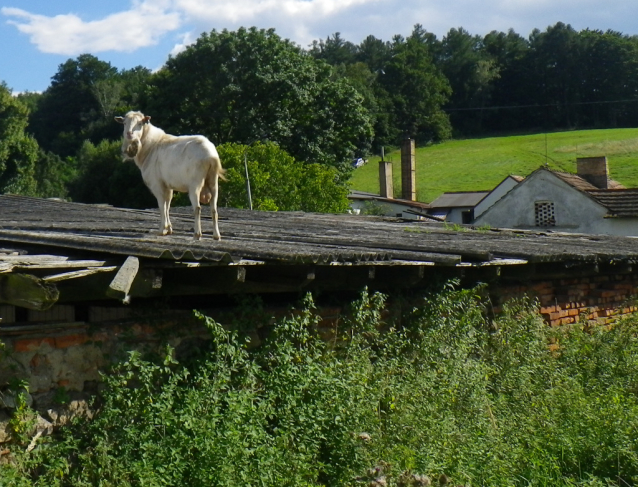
{"x":436,"y":388}
{"x":480,"y":164}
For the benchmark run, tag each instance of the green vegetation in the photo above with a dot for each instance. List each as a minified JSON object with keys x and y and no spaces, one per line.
{"x":278,"y":182}
{"x":433,"y":388}
{"x":338,"y":100}
{"x":480,"y":164}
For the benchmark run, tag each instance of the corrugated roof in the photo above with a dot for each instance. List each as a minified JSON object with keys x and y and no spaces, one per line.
{"x":462,"y":199}
{"x":284,"y":237}
{"x":362,"y":195}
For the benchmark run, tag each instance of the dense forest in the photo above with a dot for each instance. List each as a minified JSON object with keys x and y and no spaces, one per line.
{"x":320,"y":106}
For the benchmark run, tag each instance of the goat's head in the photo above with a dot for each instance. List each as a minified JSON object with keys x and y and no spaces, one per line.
{"x":133,"y":129}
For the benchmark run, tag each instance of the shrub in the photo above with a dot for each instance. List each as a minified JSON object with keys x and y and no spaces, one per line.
{"x":433,"y":387}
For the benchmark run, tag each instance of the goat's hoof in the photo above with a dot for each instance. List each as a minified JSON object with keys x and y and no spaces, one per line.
{"x":197,"y":236}
{"x":217,"y":237}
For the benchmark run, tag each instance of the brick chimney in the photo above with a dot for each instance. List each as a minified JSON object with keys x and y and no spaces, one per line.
{"x":408,"y":170}
{"x":593,"y":170}
{"x":386,"y":187}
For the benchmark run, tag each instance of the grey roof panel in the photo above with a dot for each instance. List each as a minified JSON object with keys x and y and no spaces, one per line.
{"x":459,"y":200}
{"x":285,"y":237}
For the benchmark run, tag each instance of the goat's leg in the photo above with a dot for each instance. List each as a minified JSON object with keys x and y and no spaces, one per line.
{"x":193,"y":195}
{"x":169,"y":226}
{"x":212,"y":184}
{"x":164,"y":196}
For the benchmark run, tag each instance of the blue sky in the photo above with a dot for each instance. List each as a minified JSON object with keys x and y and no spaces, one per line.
{"x":36,"y":36}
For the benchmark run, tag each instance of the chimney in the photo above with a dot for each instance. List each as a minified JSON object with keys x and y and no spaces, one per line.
{"x":386,"y":188}
{"x":408,"y":170}
{"x":593,"y":170}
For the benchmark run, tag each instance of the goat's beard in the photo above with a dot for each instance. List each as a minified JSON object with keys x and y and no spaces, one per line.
{"x":130,"y":150}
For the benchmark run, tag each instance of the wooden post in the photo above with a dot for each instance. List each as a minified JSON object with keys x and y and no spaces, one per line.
{"x":386,"y":187}
{"x":123,"y":280}
{"x":408,"y":170}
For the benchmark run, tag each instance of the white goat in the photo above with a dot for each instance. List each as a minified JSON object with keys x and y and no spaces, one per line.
{"x":189,"y":164}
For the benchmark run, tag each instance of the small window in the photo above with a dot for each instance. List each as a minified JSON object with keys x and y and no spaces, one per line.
{"x":544,"y":214}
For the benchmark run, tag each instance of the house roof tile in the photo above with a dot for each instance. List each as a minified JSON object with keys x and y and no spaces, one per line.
{"x":619,"y":202}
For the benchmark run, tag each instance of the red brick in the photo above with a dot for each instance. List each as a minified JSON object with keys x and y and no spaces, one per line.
{"x":70,"y":341}
{"x":30,"y":344}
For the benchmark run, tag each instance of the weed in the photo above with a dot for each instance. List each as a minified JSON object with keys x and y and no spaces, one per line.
{"x":444,"y":393}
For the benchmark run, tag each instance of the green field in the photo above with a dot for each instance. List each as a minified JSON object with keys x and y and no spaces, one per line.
{"x":480,"y":164}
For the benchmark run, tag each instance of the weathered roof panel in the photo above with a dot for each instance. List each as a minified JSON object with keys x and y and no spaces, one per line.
{"x":285,"y":237}
{"x":459,"y":200}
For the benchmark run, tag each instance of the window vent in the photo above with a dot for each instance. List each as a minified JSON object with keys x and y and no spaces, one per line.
{"x":544,"y":213}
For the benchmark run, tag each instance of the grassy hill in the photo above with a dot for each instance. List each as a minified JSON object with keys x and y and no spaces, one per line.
{"x":480,"y":164}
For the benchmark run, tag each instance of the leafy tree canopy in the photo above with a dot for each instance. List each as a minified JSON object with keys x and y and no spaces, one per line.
{"x":252,"y":85}
{"x":80,"y":103}
{"x":18,"y":150}
{"x":278,"y":181}
{"x":417,"y":89}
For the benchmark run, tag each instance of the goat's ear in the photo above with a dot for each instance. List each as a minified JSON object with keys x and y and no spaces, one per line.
{"x":119,"y":120}
{"x":146,"y":119}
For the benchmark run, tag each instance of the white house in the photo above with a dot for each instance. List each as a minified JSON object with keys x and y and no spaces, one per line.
{"x":466,"y":206}
{"x":586,"y":202}
{"x":457,"y":207}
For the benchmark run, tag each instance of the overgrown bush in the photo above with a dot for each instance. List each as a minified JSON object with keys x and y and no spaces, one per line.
{"x":431,"y":388}
{"x":278,"y":181}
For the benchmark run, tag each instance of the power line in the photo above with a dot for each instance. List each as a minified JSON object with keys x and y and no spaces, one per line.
{"x":548,"y":105}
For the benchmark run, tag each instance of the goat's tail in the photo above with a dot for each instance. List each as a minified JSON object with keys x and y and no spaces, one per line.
{"x":216,"y":171}
{"x":221,"y":172}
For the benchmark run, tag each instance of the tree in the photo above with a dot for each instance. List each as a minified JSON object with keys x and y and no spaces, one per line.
{"x":375,"y":53}
{"x":512,"y":87}
{"x":471,"y":74}
{"x":53,"y":175}
{"x":75,"y":100}
{"x":278,"y":181}
{"x":417,"y":90}
{"x":81,"y":101}
{"x":252,"y":85}
{"x":18,"y":150}
{"x":104,"y":178}
{"x":555,"y":61}
{"x":334,"y":50}
{"x":609,"y":68}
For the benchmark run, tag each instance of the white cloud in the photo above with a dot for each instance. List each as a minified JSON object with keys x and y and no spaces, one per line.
{"x":187,"y":40}
{"x":68,"y":34}
{"x":300,"y":20}
{"x":303,"y":21}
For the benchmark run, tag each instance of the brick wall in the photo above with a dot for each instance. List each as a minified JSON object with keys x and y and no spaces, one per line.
{"x":52,"y":355}
{"x":599,"y":299}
